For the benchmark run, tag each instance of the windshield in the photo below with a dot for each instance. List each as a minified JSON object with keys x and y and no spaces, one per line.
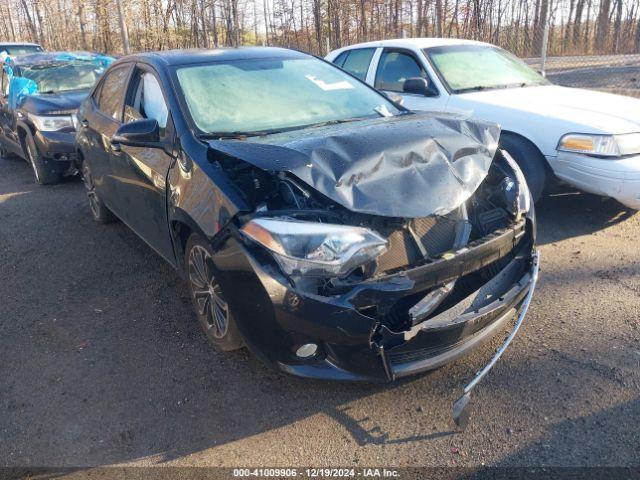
{"x":266,"y":95}
{"x":15,"y":50}
{"x":60,"y":77}
{"x":465,"y":68}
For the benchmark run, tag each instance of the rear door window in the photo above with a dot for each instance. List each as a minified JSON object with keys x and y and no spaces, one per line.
{"x":111,"y":95}
{"x":357,"y":62}
{"x":340,"y":59}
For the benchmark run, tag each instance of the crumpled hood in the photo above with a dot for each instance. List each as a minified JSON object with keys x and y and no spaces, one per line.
{"x":587,"y":111}
{"x":53,"y":102}
{"x":409,"y":166}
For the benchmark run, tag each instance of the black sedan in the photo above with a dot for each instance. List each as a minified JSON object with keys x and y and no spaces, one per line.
{"x":41,"y":92}
{"x":321,"y":225}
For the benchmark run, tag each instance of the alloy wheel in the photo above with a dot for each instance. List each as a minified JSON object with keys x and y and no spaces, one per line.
{"x":210,"y":304}
{"x":91,"y":191}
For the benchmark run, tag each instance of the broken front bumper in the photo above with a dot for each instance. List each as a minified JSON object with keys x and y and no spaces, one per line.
{"x":353,"y":330}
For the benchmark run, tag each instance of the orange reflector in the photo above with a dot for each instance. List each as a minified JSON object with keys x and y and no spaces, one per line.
{"x":577,"y":143}
{"x":263,"y":236}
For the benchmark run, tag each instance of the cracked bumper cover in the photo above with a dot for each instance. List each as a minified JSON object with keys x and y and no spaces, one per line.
{"x":275,"y":317}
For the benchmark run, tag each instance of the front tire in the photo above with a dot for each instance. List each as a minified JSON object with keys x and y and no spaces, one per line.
{"x":530,"y":160}
{"x":211,"y":308}
{"x":45,"y":171}
{"x":99,"y":211}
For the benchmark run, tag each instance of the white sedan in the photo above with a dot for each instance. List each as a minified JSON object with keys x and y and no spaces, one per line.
{"x":589,"y":139}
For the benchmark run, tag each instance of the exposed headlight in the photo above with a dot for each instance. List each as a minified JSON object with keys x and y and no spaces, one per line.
{"x":601,"y":145}
{"x":315,"y":249}
{"x":51,"y":123}
{"x":523,"y":196}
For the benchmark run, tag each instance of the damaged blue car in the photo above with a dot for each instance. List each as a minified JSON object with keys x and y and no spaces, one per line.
{"x":40,"y":95}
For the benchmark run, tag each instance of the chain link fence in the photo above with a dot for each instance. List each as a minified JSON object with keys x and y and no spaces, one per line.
{"x":612,"y":73}
{"x":586,"y":43}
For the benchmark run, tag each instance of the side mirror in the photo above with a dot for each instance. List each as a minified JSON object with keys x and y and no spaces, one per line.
{"x":140,"y":133}
{"x":416,"y":85}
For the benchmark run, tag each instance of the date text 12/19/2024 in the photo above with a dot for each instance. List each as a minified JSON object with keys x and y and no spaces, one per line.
{"x":316,"y":472}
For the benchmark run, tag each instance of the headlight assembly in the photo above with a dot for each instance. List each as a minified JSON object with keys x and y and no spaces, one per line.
{"x":51,"y":123}
{"x":601,"y":145}
{"x":628,"y":144}
{"x":315,"y":249}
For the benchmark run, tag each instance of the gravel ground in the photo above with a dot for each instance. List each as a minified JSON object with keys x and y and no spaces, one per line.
{"x":102,"y":362}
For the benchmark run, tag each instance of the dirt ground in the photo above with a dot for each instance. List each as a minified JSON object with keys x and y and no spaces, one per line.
{"x":102,"y":361}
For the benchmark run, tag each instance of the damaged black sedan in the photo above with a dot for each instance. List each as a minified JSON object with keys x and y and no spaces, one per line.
{"x":329,"y":230}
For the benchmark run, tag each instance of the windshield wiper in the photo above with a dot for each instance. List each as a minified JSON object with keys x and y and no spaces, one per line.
{"x":237,"y":134}
{"x":334,"y":122}
{"x":479,"y":88}
{"x":262,"y":133}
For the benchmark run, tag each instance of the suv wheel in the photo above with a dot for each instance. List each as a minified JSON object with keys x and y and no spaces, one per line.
{"x":99,"y":210}
{"x":45,"y":171}
{"x":208,"y":300}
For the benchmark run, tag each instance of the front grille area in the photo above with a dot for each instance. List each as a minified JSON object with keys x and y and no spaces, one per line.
{"x":397,"y":317}
{"x":402,"y":251}
{"x":398,"y":358}
{"x":465,"y":301}
{"x":437,"y":234}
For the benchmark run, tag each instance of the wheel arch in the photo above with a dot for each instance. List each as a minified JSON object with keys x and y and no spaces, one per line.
{"x":522,"y":138}
{"x":79,"y":160}
{"x":181,"y":227}
{"x":22,"y":129}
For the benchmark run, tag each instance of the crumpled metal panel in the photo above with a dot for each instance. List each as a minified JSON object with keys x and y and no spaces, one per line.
{"x":409,"y":166}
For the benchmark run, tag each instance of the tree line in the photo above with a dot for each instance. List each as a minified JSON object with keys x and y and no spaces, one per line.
{"x":575,"y":27}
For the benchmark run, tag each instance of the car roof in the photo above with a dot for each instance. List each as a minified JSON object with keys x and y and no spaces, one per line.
{"x":201,"y":55}
{"x":424,"y":42}
{"x":19,"y":44}
{"x":47,"y":57}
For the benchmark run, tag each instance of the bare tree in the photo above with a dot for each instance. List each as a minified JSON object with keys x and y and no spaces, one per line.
{"x":577,"y":27}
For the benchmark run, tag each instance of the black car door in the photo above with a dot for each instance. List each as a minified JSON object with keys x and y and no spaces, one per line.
{"x":102,"y":117}
{"x":7,"y":117}
{"x":140,"y":173}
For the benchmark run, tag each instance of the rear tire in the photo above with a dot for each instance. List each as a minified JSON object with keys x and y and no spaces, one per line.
{"x":99,"y":211}
{"x":211,"y":308}
{"x":530,"y":160}
{"x":45,"y":171}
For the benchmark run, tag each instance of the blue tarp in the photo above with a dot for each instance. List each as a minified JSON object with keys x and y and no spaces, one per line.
{"x":20,"y":87}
